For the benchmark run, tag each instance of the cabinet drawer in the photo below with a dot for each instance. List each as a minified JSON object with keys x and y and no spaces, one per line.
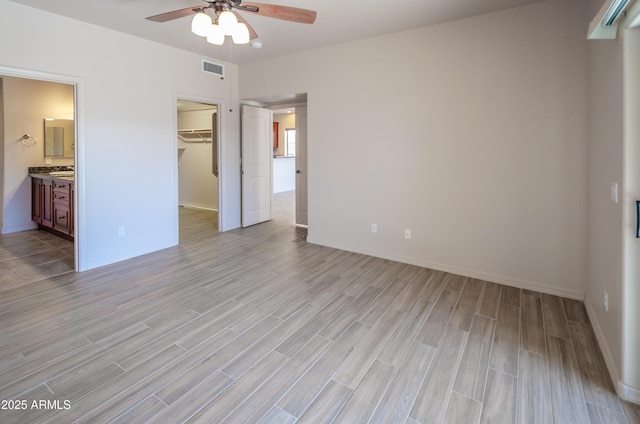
{"x":61,"y":196}
{"x":62,"y":218}
{"x":61,"y":185}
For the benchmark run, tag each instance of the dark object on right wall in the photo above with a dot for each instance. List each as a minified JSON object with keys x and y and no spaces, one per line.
{"x":637,"y":218}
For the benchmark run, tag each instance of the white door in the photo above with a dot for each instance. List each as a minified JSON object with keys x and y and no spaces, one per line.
{"x":257,"y":162}
{"x":301,"y":166}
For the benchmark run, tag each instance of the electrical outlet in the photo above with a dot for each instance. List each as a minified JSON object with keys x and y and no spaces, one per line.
{"x":407,"y":234}
{"x":374,"y":227}
{"x":121,"y":232}
{"x":606,"y":301}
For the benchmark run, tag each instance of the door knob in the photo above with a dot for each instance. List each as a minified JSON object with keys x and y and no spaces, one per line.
{"x":298,"y":171}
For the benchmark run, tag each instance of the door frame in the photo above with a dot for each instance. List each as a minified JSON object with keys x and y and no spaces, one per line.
{"x":78,"y":109}
{"x":302,"y":156}
{"x":296,"y":107}
{"x":206,"y":100}
{"x":284,"y":101}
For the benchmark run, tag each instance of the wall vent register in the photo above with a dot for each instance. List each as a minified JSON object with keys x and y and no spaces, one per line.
{"x":213,"y":68}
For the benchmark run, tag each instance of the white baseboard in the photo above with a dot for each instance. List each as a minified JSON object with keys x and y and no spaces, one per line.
{"x":628,"y":393}
{"x":19,"y":229}
{"x":625,"y":392}
{"x":522,"y":284}
{"x":86,"y":265}
{"x":609,"y":360}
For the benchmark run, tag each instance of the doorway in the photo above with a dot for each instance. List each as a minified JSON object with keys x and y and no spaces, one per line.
{"x":290,"y":199}
{"x":284,"y":165}
{"x":197,"y":155}
{"x":36,"y":98}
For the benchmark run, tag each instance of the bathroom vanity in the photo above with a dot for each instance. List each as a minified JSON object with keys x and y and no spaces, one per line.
{"x":52,"y":201}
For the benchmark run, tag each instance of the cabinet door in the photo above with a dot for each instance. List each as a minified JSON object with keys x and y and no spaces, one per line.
{"x":46,"y":199}
{"x":72,"y":216}
{"x":36,"y":200}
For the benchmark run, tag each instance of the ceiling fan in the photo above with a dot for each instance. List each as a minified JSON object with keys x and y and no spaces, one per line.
{"x":229,"y":22}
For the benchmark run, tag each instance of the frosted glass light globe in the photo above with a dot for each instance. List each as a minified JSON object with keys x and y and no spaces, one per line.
{"x":241,"y":34}
{"x":215,"y":35}
{"x":228,"y":22}
{"x":200,"y":24}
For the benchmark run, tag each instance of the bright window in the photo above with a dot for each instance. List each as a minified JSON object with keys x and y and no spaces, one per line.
{"x":290,"y":142}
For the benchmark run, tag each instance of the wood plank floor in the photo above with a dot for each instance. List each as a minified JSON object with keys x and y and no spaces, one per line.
{"x":31,"y":256}
{"x":257,"y":326}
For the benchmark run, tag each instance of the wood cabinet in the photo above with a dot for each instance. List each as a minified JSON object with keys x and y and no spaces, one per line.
{"x":41,"y":201}
{"x":62,"y":206}
{"x":52,"y":205}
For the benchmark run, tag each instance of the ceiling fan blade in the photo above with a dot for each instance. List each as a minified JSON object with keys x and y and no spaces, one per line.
{"x":286,"y":13}
{"x":252,"y":33}
{"x":169,"y":16}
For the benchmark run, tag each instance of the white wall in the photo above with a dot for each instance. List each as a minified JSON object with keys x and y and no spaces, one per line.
{"x":605,"y":217}
{"x":631,"y":248}
{"x":198,"y":186}
{"x":613,"y":250}
{"x":26,"y":103}
{"x":471,"y":133}
{"x":127,"y":150}
{"x":284,"y":174}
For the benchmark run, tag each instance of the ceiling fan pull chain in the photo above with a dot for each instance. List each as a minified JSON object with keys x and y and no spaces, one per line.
{"x":230,"y":82}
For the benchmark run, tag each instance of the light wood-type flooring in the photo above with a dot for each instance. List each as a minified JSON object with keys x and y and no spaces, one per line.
{"x":256,"y":325}
{"x":31,"y":256}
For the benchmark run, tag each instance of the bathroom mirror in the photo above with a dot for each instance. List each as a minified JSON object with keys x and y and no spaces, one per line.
{"x":59,"y":138}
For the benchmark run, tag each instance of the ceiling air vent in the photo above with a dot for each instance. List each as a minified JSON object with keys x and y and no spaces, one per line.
{"x":212,"y":68}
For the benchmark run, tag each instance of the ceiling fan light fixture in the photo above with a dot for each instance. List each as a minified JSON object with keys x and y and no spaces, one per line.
{"x":200,"y":24}
{"x":240,"y":34}
{"x":228,"y":22}
{"x":215,"y":35}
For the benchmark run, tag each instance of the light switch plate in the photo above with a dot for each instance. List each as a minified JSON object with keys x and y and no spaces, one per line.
{"x":614,"y":192}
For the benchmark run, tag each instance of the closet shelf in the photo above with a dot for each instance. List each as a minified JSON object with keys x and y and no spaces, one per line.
{"x":195,"y":136}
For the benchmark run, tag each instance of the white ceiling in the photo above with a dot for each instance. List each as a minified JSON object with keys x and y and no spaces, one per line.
{"x":338,"y":21}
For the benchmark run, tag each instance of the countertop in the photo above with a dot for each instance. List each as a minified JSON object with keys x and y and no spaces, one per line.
{"x":44,"y":172}
{"x":52,"y":177}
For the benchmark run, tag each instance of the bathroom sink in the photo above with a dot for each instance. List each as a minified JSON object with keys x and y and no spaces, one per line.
{"x":61,"y":173}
